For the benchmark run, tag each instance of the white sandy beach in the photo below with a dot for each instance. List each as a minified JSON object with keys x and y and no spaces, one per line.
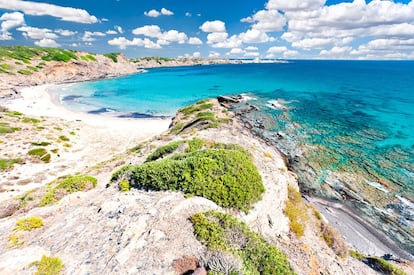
{"x":97,"y":138}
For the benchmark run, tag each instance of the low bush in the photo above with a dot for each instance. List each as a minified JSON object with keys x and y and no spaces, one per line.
{"x":64,"y":138}
{"x":124,"y":186}
{"x":112,"y":56}
{"x":41,"y":143}
{"x":6,"y":129}
{"x":48,"y":266}
{"x":29,"y":223}
{"x":8,"y":163}
{"x":164,"y":150}
{"x":195,"y":108}
{"x":334,"y":240}
{"x":67,"y":185}
{"x":296,"y":211}
{"x":30,"y":120}
{"x":383,"y":266}
{"x":41,"y":153}
{"x":222,"y":232}
{"x":226,"y":176}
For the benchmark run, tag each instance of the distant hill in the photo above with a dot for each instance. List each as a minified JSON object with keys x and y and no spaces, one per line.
{"x":27,"y":66}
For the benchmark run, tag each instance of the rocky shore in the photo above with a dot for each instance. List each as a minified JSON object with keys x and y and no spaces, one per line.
{"x":60,"y":200}
{"x":361,"y":205}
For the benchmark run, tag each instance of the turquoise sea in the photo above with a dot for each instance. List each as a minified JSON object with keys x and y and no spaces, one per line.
{"x":352,"y":121}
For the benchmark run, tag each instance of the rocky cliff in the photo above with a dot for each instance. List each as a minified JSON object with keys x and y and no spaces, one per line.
{"x":122,"y":226}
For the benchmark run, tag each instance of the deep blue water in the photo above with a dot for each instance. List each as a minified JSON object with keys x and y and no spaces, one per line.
{"x":361,"y":111}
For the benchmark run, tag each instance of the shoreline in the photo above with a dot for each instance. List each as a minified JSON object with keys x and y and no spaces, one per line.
{"x":92,"y":139}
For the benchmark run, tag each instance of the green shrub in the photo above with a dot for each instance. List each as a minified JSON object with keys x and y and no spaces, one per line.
{"x":67,"y":185}
{"x":64,"y":138}
{"x":227,"y":177}
{"x":41,"y":153}
{"x":164,"y":150}
{"x":5,"y":128}
{"x":124,"y":186}
{"x":14,"y":241}
{"x":29,"y":223}
{"x":194,"y":145}
{"x":8,"y":163}
{"x":356,"y":255}
{"x":195,"y":108}
{"x":113,"y":56}
{"x":53,"y":54}
{"x":222,"y":232}
{"x":296,"y":211}
{"x":30,"y":120}
{"x":383,"y":266}
{"x":24,"y":72}
{"x":88,"y":57}
{"x":177,"y":128}
{"x":48,"y":266}
{"x":41,"y":143}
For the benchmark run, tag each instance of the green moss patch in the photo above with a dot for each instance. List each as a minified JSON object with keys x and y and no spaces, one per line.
{"x":28,"y":224}
{"x":48,"y":266}
{"x":41,"y":153}
{"x":8,"y":163}
{"x":225,"y":175}
{"x":41,"y":143}
{"x":164,"y":150}
{"x":5,"y":128}
{"x":112,"y":56}
{"x":67,"y":185}
{"x":195,"y":108}
{"x":222,"y":232}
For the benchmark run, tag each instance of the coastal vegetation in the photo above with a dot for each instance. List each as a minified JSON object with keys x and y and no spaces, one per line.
{"x":28,"y":59}
{"x":164,"y":150}
{"x":223,"y":233}
{"x":296,"y":211}
{"x":8,"y":163}
{"x":223,"y":173}
{"x":201,"y":115}
{"x":67,"y":185}
{"x":112,"y":56}
{"x":40,"y":153}
{"x":29,"y":223}
{"x":48,"y":266}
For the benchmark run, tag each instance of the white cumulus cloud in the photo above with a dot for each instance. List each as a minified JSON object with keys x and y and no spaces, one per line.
{"x":65,"y":32}
{"x":40,"y":9}
{"x":213,"y":26}
{"x":37,"y":33}
{"x":90,"y":36}
{"x":47,"y":42}
{"x":148,"y":30}
{"x":195,"y":41}
{"x":166,"y":12}
{"x":216,"y":37}
{"x":267,"y":21}
{"x":155,"y":13}
{"x":123,"y":43}
{"x":10,"y":21}
{"x":294,"y":5}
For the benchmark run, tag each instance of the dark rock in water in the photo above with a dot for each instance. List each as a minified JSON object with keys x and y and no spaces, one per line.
{"x":227,"y":101}
{"x":71,"y":97}
{"x":100,"y":111}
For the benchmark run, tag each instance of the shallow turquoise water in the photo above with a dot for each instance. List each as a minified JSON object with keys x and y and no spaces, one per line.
{"x":362,"y":112}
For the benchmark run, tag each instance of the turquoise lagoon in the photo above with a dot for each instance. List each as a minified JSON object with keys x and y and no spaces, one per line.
{"x":353,"y":121}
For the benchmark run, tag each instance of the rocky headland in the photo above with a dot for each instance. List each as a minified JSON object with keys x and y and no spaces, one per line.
{"x":200,"y":193}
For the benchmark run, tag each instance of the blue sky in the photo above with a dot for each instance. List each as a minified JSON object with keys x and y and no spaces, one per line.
{"x":287,"y":29}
